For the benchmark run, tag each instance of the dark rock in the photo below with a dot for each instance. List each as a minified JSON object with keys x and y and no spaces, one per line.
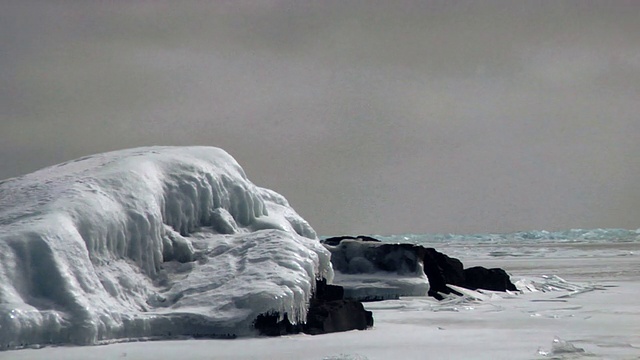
{"x":352,"y":258}
{"x":328,"y":292}
{"x":367,"y":238}
{"x":269,"y":325}
{"x":400,"y":258}
{"x":442,"y":270}
{"x":375,"y":298}
{"x":328,"y":312}
{"x":334,"y":241}
{"x":337,"y":315}
{"x":495,"y":279}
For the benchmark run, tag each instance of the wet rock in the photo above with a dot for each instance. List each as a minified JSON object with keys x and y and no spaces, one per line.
{"x":328,"y":292}
{"x":328,"y":312}
{"x":270,"y":325}
{"x":441,"y":270}
{"x":338,"y":315}
{"x":495,"y":279}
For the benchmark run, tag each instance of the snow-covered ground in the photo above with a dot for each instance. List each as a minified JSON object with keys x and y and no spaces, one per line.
{"x":593,"y":314}
{"x":162,"y":242}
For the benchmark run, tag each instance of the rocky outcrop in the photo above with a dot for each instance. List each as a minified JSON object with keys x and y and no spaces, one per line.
{"x":328,"y":312}
{"x":328,"y":292}
{"x":337,"y":315}
{"x":333,"y":241}
{"x":351,"y":256}
{"x":441,"y":270}
{"x":495,"y":279}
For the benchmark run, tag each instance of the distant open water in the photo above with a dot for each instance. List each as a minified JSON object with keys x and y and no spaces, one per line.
{"x":540,"y":243}
{"x":574,"y":235}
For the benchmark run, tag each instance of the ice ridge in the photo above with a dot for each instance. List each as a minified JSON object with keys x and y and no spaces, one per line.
{"x":150,"y":242}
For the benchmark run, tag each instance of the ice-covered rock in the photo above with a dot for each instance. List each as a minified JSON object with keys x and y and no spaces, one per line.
{"x":148,"y":243}
{"x":373,"y":270}
{"x":328,"y":312}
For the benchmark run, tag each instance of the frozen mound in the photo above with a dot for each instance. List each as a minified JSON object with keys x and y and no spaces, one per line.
{"x":148,"y":243}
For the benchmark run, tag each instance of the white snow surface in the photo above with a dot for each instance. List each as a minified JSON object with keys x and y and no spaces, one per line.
{"x":580,"y":302}
{"x":153,"y":242}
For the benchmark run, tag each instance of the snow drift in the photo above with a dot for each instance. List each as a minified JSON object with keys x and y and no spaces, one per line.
{"x":148,"y":243}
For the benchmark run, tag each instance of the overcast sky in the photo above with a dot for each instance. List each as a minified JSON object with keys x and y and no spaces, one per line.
{"x":369,"y":116}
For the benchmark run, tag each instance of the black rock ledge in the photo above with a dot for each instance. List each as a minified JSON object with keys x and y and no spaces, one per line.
{"x":441,"y":270}
{"x":328,"y":312}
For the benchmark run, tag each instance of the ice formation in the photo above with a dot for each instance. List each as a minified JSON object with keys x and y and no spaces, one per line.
{"x":369,"y":274}
{"x":148,"y":243}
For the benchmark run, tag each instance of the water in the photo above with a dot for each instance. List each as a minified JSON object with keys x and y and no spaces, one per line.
{"x":577,"y":254}
{"x":537,"y":244}
{"x":572,"y":236}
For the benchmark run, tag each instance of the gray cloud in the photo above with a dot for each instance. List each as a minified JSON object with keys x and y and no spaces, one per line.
{"x":370,"y":117}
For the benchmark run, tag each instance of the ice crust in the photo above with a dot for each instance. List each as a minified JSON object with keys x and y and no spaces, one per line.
{"x":151,"y":242}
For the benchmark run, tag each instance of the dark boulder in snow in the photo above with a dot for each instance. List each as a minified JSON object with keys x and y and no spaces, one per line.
{"x":495,"y":279}
{"x":272,"y":325}
{"x":328,"y":292}
{"x":337,"y":315}
{"x":441,"y":270}
{"x":328,"y":312}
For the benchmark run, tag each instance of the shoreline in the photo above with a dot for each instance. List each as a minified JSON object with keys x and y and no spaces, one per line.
{"x":600,"y":323}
